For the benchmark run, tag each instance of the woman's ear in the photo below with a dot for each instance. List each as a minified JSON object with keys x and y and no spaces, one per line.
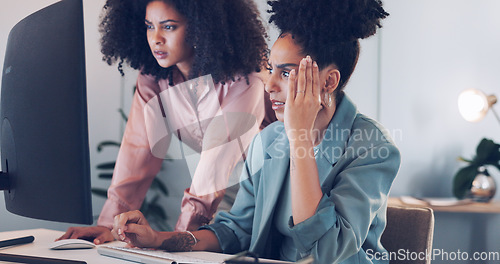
{"x":332,"y":80}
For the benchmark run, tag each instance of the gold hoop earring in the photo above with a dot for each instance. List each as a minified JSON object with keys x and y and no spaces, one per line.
{"x":327,"y":99}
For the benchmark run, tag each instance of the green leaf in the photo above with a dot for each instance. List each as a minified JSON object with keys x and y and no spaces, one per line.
{"x":484,"y":149}
{"x":162,"y":226}
{"x":100,"y":192}
{"x":488,"y":152}
{"x":123,"y":115}
{"x":107,"y":143}
{"x":107,"y":176}
{"x":463,"y":180}
{"x":158,"y":185}
{"x":154,"y":200}
{"x":494,"y":156}
{"x":157,"y":211}
{"x":464,"y":159}
{"x":144,"y":208}
{"x":106,"y":166}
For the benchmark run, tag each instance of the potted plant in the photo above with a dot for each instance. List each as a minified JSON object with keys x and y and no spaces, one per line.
{"x":472,"y":180}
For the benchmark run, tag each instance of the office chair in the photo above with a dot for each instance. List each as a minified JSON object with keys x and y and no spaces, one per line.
{"x":409,"y":231}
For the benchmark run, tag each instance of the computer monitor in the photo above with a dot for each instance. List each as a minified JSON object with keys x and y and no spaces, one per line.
{"x":44,"y":128}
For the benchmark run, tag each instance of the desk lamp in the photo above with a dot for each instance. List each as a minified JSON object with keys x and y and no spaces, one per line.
{"x":474,"y":104}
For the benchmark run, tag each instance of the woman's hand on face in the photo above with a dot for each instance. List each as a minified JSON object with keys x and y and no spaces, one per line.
{"x":100,"y":234}
{"x":303,"y":101}
{"x":133,"y":228}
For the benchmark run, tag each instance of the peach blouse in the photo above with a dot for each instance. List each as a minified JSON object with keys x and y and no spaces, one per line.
{"x":218,"y":121}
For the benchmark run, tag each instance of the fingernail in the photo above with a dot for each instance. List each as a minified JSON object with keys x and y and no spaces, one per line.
{"x":315,"y":65}
{"x":292,"y":72}
{"x":309,"y":58}
{"x":97,"y":242}
{"x":120,"y":231}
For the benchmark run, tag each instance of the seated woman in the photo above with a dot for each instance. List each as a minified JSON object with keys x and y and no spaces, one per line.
{"x":317,"y":182}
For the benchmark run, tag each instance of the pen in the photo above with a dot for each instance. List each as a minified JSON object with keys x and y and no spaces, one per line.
{"x":16,"y":241}
{"x":36,"y":260}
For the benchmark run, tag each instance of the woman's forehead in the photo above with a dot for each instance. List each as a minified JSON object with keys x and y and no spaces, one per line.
{"x":159,"y":10}
{"x":286,"y":50}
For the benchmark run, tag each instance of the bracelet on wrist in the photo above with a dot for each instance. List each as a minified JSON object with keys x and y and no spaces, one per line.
{"x":194,"y":238}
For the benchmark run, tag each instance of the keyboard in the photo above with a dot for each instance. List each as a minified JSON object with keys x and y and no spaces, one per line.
{"x":150,"y":256}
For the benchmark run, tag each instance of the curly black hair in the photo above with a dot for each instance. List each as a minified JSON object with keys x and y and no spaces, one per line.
{"x":228,"y":37}
{"x":329,"y":30}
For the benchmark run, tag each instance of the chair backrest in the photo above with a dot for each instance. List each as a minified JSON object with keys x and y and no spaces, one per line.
{"x":408,"y":234}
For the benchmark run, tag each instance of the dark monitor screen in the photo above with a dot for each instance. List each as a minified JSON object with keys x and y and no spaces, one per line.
{"x":44,"y":130}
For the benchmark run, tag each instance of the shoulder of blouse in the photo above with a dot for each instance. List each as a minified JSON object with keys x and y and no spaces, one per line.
{"x":242,"y":84}
{"x":148,"y":86}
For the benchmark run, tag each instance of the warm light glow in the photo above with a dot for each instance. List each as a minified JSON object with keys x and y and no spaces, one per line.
{"x":473,"y":105}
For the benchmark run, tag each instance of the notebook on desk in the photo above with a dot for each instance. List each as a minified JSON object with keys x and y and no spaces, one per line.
{"x":151,"y":256}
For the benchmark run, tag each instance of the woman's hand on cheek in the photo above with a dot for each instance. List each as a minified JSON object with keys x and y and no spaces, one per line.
{"x":133,"y":228}
{"x":303,"y":101}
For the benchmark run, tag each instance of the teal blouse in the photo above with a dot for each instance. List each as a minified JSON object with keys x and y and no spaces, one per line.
{"x":357,"y":163}
{"x":288,"y":250}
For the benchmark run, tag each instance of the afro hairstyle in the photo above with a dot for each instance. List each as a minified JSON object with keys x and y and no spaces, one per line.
{"x":228,"y":37}
{"x":329,"y":30}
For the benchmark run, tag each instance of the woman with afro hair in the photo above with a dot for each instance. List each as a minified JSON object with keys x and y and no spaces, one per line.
{"x":198,"y":61}
{"x":316,"y":182}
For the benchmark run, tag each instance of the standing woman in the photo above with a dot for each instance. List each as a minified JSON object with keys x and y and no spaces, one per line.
{"x":318,"y":180}
{"x":197,"y":60}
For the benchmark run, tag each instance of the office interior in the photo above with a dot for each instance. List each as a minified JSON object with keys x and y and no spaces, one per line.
{"x":408,"y":77}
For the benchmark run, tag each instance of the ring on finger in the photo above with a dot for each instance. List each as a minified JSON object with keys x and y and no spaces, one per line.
{"x":301,"y":91}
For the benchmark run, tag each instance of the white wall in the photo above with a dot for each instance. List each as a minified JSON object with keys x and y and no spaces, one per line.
{"x":430,"y":52}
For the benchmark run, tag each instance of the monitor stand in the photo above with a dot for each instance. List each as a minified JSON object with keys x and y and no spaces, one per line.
{"x":4,"y":181}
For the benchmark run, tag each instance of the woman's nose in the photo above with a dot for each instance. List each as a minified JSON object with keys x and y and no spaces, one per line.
{"x":157,"y":38}
{"x":271,"y":85}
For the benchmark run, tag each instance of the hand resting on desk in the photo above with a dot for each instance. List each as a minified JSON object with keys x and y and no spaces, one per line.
{"x":133,"y":228}
{"x":98,"y":234}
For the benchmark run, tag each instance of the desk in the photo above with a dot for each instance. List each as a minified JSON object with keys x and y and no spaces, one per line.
{"x":39,"y":248}
{"x":491,"y":207}
{"x":43,"y":237}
